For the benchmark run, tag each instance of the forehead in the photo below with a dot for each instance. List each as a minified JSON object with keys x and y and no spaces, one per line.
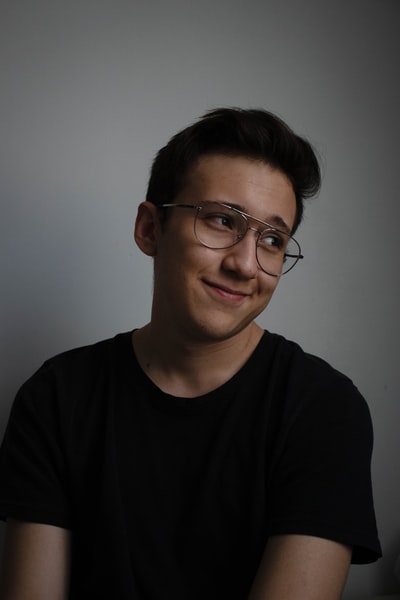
{"x":251,"y":185}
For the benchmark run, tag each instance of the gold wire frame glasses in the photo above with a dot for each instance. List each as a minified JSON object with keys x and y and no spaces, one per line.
{"x":219,"y":226}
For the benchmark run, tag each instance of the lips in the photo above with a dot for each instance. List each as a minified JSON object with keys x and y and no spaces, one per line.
{"x":226,"y":292}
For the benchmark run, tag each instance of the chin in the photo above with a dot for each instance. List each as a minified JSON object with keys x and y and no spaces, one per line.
{"x":219,"y":331}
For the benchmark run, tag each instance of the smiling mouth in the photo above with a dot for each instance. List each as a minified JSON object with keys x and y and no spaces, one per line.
{"x":226,"y":292}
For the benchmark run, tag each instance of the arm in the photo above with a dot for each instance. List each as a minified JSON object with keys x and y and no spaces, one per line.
{"x":35,"y":562}
{"x":301,"y":567}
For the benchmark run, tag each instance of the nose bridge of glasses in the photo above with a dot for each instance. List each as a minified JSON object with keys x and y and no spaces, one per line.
{"x":270,"y":258}
{"x":252,"y":223}
{"x":241,"y":232}
{"x":257,"y":231}
{"x":242,"y":223}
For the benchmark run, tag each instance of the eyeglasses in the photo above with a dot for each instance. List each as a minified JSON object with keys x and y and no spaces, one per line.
{"x":219,"y":226}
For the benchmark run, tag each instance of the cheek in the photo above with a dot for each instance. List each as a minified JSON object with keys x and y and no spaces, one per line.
{"x":193,"y":257}
{"x":269,"y":285}
{"x":178,"y":262}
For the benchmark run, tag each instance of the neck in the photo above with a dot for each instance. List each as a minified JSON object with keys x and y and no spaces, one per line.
{"x":188,"y":368}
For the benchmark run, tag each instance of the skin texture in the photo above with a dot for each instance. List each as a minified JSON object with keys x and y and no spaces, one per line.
{"x":186,"y":270}
{"x":205,"y":301}
{"x":36,"y":562}
{"x":300,"y":567}
{"x":204,"y":305}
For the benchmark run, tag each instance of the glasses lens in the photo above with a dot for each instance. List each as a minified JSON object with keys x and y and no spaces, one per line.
{"x":218,"y":226}
{"x":277,"y":252}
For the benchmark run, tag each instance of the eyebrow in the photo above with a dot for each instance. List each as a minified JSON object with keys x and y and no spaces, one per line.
{"x":274,"y":220}
{"x":280,"y":223}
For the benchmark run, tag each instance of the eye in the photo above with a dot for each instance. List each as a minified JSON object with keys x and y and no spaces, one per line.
{"x":272,"y":241}
{"x":219,"y":220}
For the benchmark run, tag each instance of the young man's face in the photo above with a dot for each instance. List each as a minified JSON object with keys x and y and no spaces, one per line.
{"x":211,"y":295}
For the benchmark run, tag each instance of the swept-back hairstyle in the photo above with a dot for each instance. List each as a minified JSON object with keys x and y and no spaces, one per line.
{"x":254,"y":133}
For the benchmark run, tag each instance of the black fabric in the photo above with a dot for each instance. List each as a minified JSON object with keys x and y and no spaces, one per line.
{"x":173,"y":497}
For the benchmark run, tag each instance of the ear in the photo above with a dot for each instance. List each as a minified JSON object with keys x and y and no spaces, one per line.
{"x":147,"y":228}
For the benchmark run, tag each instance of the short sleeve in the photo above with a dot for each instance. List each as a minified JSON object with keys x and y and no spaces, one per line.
{"x":33,"y":476}
{"x":322,"y":479}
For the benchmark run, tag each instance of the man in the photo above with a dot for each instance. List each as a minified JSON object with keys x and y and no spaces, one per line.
{"x":198,"y":456}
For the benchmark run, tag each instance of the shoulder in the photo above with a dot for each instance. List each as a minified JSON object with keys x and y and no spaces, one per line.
{"x":310,"y":383}
{"x":68,"y":378}
{"x":89,"y":355}
{"x":290,"y":356}
{"x":84,"y":360}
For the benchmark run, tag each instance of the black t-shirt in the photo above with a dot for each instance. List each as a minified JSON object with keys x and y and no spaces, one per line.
{"x":175,"y":497}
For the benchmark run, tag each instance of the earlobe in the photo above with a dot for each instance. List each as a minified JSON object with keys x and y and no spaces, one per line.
{"x":146,"y":227}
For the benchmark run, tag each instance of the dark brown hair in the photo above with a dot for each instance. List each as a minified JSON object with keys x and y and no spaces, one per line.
{"x":253,"y":133}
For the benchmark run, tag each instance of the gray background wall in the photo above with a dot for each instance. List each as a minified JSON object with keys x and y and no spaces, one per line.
{"x":91,"y":89}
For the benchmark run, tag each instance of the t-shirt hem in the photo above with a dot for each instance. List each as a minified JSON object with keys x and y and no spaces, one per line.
{"x":32,"y":515}
{"x":365,"y":550}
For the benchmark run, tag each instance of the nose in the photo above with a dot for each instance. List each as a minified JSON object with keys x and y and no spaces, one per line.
{"x":241,"y":258}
